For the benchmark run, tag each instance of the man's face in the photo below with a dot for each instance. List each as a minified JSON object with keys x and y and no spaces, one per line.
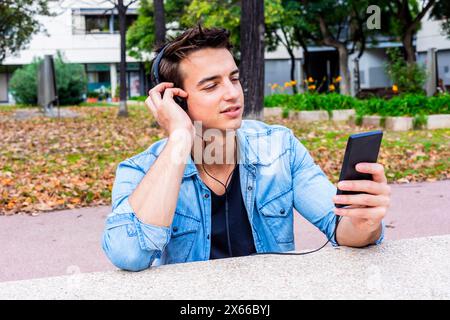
{"x":211,"y":78}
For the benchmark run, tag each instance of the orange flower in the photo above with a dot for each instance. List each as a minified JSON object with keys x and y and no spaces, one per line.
{"x":287,"y":84}
{"x":310,"y":79}
{"x":395,"y":88}
{"x":274,"y":86}
{"x":338,"y":79}
{"x":293,"y":82}
{"x":331,"y":87}
{"x":312,"y":87}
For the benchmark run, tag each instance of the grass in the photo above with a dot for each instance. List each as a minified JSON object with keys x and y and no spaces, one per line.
{"x":411,"y":156}
{"x":48,"y":164}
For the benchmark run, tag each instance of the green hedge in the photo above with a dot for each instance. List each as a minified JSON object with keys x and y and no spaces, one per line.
{"x":139,"y":98}
{"x":71,"y":82}
{"x":408,"y":104}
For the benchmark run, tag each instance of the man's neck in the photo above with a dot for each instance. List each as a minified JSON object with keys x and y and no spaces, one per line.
{"x":218,"y":152}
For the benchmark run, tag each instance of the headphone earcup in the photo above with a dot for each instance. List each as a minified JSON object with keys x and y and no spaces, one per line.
{"x":181,"y":102}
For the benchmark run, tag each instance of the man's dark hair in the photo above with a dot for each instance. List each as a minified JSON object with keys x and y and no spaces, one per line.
{"x":191,"y":40}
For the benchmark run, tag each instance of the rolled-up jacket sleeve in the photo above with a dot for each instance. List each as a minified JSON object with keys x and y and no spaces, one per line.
{"x":129,"y":243}
{"x":313,"y":192}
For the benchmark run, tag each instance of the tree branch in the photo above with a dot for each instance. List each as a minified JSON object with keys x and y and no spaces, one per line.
{"x":423,"y":12}
{"x":327,"y":37}
{"x":131,"y":2}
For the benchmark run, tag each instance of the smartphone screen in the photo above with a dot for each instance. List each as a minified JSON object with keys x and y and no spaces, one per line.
{"x":361,"y":147}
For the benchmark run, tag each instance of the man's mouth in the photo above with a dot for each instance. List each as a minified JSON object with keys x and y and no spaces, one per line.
{"x":231,"y":109}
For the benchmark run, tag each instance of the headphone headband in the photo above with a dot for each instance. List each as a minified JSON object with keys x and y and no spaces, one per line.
{"x":155,"y":72}
{"x":155,"y":65}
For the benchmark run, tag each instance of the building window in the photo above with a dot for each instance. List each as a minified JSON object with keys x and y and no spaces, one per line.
{"x":131,"y":18}
{"x":97,"y":24}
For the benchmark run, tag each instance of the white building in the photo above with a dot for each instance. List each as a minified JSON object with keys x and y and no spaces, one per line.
{"x":84,"y":32}
{"x":431,"y":36}
{"x":324,"y":62}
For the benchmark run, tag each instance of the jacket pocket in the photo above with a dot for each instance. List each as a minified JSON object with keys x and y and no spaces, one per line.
{"x":277,"y":214}
{"x":184,"y":230}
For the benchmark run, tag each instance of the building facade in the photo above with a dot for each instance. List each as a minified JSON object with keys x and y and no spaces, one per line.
{"x":86,"y":32}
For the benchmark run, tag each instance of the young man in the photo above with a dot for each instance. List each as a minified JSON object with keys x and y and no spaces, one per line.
{"x":220,"y":186}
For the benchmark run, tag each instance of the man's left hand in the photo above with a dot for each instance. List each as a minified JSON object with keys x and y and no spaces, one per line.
{"x":365,"y":211}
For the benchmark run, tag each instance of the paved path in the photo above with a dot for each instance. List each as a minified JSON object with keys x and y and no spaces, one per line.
{"x":68,"y":242}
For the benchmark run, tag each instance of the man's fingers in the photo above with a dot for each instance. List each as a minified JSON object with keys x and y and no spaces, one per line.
{"x":363,"y":200}
{"x":376,"y":169}
{"x":170,"y":93}
{"x":156,"y":92}
{"x":376,"y":213}
{"x":160,"y":87}
{"x":368,"y":186}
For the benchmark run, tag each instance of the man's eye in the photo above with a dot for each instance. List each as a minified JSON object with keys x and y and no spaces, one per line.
{"x":235,"y":79}
{"x":210,"y":87}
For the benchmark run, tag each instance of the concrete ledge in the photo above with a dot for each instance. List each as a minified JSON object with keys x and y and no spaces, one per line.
{"x":405,"y":269}
{"x":342,"y":115}
{"x":399,"y":123}
{"x":373,"y":121}
{"x":311,"y":116}
{"x":273,"y":112}
{"x":438,"y":121}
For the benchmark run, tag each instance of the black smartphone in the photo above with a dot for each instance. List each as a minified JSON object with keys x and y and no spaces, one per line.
{"x":361,"y":147}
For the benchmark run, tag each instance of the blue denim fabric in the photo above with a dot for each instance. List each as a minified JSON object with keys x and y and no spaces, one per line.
{"x":277,"y":175}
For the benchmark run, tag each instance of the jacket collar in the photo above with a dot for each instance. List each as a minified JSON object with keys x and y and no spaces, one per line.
{"x":247,"y":153}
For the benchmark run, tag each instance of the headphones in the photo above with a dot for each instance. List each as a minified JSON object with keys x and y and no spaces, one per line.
{"x":182,"y":102}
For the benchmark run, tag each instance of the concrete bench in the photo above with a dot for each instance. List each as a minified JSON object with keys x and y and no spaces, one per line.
{"x":404,"y":269}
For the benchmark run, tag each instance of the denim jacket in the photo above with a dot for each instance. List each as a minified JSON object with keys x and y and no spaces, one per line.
{"x":277,"y":174}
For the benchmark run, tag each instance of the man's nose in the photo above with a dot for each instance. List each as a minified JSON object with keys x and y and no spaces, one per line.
{"x":232,"y":90}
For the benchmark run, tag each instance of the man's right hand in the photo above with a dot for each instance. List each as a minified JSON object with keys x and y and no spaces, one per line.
{"x":169,"y":115}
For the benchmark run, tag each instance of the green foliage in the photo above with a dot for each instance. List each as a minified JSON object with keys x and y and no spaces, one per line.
{"x":404,"y":105}
{"x":71,"y":82}
{"x":18,"y":23}
{"x":183,"y":14}
{"x":409,"y":104}
{"x":409,"y":77}
{"x":359,"y":119}
{"x":23,"y":83}
{"x":141,"y":35}
{"x":420,"y":121}
{"x":439,"y":104}
{"x":139,"y":98}
{"x":276,"y":100}
{"x":93,"y":94}
{"x":215,"y":13}
{"x":312,"y":101}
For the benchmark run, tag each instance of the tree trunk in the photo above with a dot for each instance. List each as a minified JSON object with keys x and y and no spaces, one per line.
{"x":408,"y":45}
{"x":122,"y":10}
{"x":160,"y":22}
{"x":288,"y":45}
{"x":252,"y":57}
{"x":343,"y":56}
{"x":292,"y":57}
{"x":343,"y":70}
{"x":305,"y":60}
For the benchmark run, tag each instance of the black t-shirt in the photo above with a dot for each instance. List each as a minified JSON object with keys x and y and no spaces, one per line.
{"x":241,"y":236}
